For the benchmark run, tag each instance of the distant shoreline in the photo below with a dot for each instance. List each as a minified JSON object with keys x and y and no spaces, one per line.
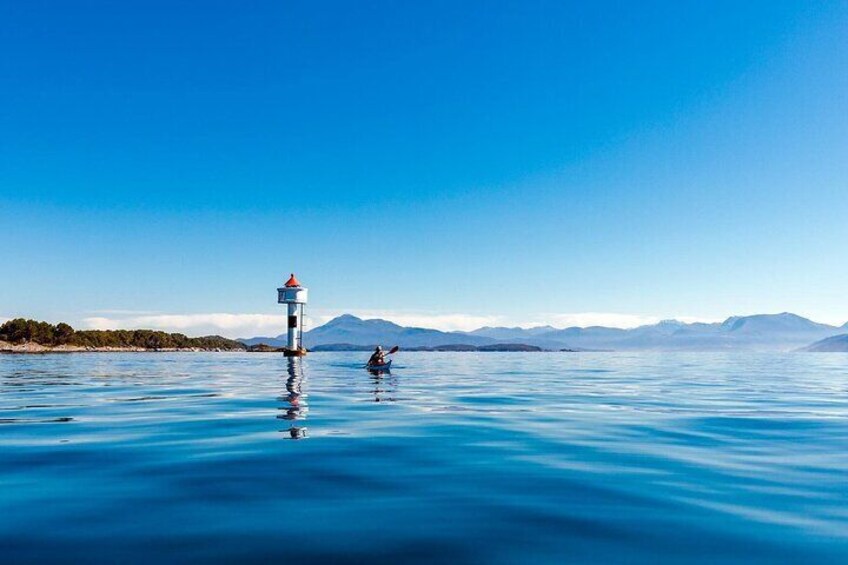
{"x":37,"y":348}
{"x":31,"y":336}
{"x":32,"y":348}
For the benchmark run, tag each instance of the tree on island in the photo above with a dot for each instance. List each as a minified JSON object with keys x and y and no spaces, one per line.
{"x":19,"y":331}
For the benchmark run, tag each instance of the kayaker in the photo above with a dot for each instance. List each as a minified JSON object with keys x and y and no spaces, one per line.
{"x":377,"y":358}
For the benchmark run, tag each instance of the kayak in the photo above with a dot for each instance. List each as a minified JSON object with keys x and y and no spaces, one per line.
{"x":384,"y":367}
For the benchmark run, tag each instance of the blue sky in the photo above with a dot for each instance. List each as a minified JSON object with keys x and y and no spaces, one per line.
{"x":442,"y":163}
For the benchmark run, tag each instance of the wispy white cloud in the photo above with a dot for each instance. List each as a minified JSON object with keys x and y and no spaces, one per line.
{"x":439,"y":321}
{"x":608,"y":319}
{"x":249,"y":325}
{"x":586,"y":319}
{"x":467,"y":322}
{"x":229,"y":325}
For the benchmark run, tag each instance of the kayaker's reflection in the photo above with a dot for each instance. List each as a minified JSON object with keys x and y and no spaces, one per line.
{"x":385,"y":385}
{"x":295,"y":407}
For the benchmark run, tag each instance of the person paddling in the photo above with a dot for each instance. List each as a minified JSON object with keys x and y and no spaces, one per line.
{"x":377,"y":358}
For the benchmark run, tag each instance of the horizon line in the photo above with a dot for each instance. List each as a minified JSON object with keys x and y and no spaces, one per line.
{"x":248,"y":326}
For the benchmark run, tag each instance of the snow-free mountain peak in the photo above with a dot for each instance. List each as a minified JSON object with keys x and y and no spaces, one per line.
{"x":785,"y":322}
{"x":837,"y":343}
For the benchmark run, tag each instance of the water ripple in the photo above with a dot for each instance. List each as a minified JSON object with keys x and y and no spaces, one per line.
{"x":452,"y":457}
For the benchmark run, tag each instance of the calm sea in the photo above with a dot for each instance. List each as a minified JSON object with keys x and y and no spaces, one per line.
{"x":456,"y":457}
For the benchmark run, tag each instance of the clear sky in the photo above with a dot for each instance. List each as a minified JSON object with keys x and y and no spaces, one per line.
{"x":452,"y":164}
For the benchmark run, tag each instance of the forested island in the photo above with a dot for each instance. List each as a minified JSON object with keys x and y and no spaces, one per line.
{"x":31,"y":336}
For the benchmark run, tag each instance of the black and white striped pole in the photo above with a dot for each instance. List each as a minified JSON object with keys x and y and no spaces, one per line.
{"x":293,"y":295}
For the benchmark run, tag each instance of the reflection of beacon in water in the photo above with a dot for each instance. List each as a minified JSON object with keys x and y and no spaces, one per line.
{"x":295,"y":407}
{"x":294,"y":296}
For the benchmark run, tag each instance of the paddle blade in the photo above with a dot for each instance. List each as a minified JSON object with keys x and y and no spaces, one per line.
{"x":394,"y":349}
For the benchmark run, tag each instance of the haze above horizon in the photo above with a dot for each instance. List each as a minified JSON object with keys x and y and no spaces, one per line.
{"x":441,"y":165}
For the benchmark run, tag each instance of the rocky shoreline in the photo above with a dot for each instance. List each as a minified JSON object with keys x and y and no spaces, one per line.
{"x":31,"y":347}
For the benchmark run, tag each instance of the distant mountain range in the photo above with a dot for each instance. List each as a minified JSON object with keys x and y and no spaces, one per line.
{"x":837,"y":343}
{"x":763,"y":332}
{"x":347,"y":329}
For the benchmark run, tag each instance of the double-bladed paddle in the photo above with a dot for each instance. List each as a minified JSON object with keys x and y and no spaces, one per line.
{"x":394,"y":349}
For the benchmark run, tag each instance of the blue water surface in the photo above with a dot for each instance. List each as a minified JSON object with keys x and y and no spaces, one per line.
{"x":454,"y":457}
